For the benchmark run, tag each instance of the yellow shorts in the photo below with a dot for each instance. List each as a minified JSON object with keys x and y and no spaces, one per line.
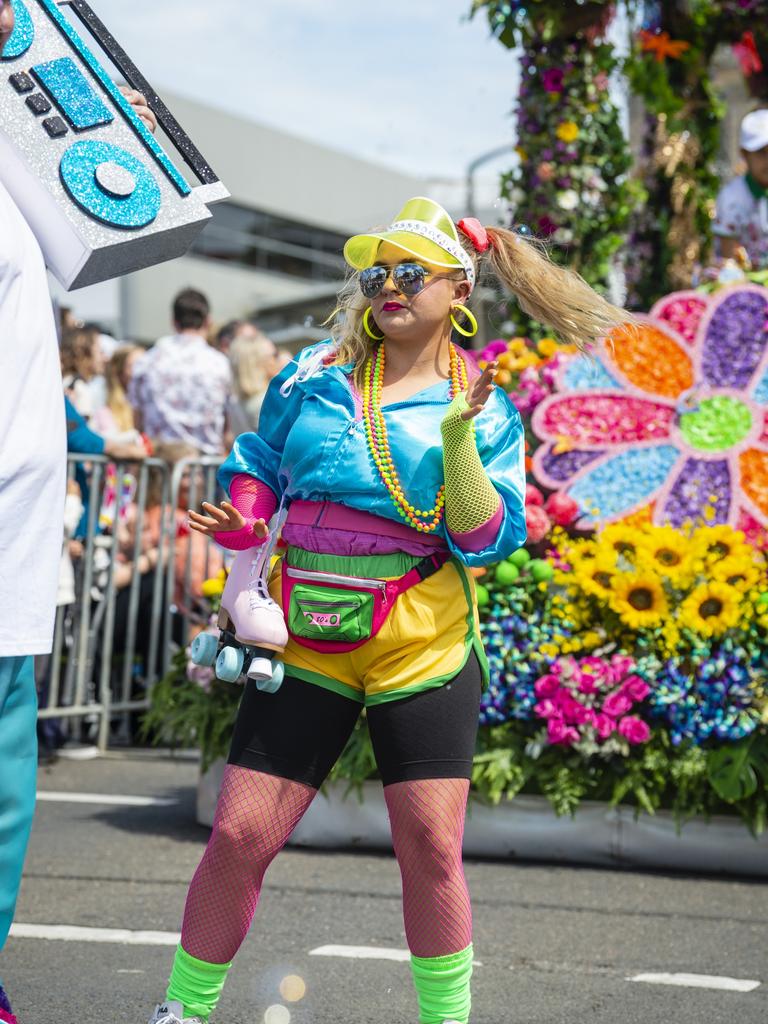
{"x":424,"y":641}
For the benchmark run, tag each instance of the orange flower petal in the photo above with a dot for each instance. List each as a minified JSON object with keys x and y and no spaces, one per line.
{"x":651,"y":360}
{"x":754,"y":477}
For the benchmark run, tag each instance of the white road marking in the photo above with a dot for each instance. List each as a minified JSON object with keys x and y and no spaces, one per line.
{"x":362,"y":952}
{"x":103,"y":798}
{"x":699,"y":981}
{"x":73,"y":933}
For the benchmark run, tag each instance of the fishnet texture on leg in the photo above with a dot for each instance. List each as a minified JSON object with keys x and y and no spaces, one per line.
{"x":255,"y":816}
{"x":427,"y":821}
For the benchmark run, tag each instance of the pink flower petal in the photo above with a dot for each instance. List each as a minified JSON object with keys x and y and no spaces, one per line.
{"x":591,"y":420}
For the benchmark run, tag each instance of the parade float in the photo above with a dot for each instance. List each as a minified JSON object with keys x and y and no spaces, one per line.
{"x":628,"y":641}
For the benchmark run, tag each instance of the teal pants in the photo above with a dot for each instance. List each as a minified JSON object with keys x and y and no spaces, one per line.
{"x":18,"y":777}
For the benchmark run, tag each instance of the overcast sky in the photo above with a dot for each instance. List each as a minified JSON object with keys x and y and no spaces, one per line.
{"x":409,"y":83}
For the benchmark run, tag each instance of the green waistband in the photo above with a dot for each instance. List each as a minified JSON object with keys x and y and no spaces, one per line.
{"x":370,"y":566}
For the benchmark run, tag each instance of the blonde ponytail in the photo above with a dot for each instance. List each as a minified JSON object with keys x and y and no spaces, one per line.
{"x":557,"y":297}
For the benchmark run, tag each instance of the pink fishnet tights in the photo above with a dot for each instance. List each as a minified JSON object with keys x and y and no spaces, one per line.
{"x":255,"y":815}
{"x":427,"y":820}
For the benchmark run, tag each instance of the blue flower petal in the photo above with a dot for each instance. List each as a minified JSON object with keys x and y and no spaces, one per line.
{"x":623,"y":482}
{"x":586,"y":374}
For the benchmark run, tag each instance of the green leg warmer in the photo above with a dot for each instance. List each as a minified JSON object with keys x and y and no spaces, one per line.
{"x":442,"y":986}
{"x":196,"y":984}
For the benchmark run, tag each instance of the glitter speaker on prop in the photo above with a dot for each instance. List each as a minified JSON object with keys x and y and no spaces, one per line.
{"x":99,"y":191}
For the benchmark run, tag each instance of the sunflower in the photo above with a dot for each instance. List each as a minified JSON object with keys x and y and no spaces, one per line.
{"x":595,"y":576}
{"x":717,"y":542}
{"x":711,"y":608}
{"x":579,"y":554}
{"x":739,"y":571}
{"x":621,"y":539}
{"x":638,"y":599}
{"x":668,"y":552}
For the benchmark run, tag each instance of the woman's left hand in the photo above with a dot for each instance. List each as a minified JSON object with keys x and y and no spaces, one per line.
{"x":479,"y":390}
{"x":139,"y":103}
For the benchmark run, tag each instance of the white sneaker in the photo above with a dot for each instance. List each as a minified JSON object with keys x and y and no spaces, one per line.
{"x":171,"y":1013}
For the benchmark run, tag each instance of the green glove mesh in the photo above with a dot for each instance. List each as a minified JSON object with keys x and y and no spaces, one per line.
{"x":470,"y":497}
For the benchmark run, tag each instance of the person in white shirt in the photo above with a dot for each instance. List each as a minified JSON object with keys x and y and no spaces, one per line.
{"x":742,"y":204}
{"x":32,"y":488}
{"x":180,"y":387}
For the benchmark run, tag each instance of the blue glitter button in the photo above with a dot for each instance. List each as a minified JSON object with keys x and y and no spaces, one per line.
{"x":68,"y":88}
{"x":23,"y":34}
{"x":79,"y":171}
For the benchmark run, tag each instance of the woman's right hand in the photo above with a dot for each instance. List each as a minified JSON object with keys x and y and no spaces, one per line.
{"x":223,"y":519}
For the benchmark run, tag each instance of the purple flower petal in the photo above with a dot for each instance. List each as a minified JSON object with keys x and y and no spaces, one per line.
{"x":735,"y":339}
{"x":562,"y":467}
{"x":700,"y":481}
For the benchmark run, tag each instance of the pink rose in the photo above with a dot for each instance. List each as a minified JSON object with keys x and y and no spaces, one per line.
{"x":546,"y":686}
{"x":547,"y":709}
{"x":588,"y":683}
{"x":537,"y":523}
{"x":604,"y":726}
{"x":559,"y":732}
{"x":620,"y":666}
{"x":533,"y":495}
{"x":635,"y":688}
{"x":634,"y":729}
{"x":560,"y":507}
{"x":616,"y":704}
{"x":578,"y":714}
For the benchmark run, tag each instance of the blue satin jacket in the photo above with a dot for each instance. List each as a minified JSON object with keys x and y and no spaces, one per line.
{"x":311,"y":446}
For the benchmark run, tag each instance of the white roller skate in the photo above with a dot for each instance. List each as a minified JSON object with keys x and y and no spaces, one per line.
{"x":252,"y":626}
{"x":171,"y":1013}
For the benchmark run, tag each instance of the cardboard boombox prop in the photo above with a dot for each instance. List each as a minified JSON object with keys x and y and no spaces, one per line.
{"x":96,"y":187}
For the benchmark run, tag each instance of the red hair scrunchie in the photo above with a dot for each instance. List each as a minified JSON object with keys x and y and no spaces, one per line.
{"x":476,"y":233}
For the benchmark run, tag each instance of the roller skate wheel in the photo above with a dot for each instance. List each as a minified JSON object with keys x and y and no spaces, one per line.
{"x":260,"y":669}
{"x":273,"y":684}
{"x":203,"y":649}
{"x":229,"y":664}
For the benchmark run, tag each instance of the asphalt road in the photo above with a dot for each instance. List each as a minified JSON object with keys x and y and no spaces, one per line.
{"x":556,"y":945}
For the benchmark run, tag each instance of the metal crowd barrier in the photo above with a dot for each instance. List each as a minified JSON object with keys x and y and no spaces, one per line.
{"x":95,"y":689}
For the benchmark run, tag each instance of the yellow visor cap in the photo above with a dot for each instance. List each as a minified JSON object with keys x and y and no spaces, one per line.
{"x":418,"y":215}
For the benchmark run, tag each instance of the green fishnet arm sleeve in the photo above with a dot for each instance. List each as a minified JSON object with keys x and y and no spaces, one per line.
{"x":471,"y":500}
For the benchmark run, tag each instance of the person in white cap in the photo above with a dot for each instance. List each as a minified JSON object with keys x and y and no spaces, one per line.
{"x":742,"y":205}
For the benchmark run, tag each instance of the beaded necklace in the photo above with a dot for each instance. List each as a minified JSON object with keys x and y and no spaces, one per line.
{"x":378,"y":443}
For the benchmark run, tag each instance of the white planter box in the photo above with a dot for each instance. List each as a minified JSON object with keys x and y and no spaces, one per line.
{"x":527,"y":829}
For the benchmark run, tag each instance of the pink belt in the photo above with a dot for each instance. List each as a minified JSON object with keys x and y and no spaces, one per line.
{"x":333,"y":516}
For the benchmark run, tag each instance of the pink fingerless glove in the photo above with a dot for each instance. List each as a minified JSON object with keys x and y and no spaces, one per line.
{"x":253,"y":500}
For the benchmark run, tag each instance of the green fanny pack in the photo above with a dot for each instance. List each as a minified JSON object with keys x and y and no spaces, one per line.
{"x":335,"y":613}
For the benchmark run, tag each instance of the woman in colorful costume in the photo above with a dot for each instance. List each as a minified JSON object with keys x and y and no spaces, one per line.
{"x":397,"y":461}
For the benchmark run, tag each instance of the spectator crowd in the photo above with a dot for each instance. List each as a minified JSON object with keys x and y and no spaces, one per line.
{"x":185,"y":397}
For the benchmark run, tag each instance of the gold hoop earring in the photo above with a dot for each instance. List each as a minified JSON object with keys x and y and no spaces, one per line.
{"x":469,"y":315}
{"x":367,"y":327}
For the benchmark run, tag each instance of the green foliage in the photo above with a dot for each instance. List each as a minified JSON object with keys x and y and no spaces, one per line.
{"x":185,"y":714}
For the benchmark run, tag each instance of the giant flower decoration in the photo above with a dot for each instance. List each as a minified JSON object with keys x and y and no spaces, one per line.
{"x":671,"y":417}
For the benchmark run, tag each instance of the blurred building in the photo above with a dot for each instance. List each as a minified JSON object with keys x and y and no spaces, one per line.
{"x":273,"y":250}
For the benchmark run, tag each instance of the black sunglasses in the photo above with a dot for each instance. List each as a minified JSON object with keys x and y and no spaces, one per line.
{"x":408,"y":278}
